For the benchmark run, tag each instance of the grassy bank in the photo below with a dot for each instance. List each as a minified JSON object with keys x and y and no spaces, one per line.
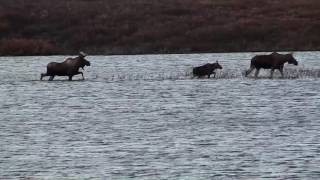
{"x":38,"y":27}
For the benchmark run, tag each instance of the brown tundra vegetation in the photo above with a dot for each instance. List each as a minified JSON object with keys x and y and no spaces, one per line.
{"x":41,"y":27}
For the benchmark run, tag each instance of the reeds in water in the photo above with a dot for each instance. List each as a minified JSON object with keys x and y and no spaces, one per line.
{"x":300,"y":73}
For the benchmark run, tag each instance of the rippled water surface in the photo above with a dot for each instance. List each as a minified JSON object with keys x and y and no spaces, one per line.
{"x":145,"y":117}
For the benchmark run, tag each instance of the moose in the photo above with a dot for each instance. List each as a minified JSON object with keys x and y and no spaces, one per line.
{"x":272,"y":61}
{"x":206,"y":70}
{"x":69,"y":67}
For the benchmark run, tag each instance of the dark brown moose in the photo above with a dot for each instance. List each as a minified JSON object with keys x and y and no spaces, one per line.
{"x":272,"y":61}
{"x":69,"y":67}
{"x":206,"y":70}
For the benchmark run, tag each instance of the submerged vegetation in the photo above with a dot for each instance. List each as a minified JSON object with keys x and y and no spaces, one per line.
{"x":37,"y":27}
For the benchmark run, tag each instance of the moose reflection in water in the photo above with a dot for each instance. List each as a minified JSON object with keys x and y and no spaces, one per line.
{"x":69,"y":67}
{"x":206,"y":70}
{"x":272,"y":61}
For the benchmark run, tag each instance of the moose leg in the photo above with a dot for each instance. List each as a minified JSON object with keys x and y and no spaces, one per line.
{"x":70,"y":78}
{"x":51,"y":78}
{"x":256,"y":73}
{"x":78,"y":73}
{"x":214,"y":74}
{"x":208,"y":76}
{"x":249,"y":71}
{"x":271,"y":73}
{"x":281,"y":71}
{"x":82,"y":75}
{"x":43,"y":75}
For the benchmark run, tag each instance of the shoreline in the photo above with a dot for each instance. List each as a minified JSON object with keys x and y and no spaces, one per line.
{"x":173,"y":53}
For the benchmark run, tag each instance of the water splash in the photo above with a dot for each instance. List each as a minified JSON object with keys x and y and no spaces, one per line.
{"x":227,"y":74}
{"x":302,"y":73}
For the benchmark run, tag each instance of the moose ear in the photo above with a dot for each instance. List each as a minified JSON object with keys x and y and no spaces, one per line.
{"x":217,"y":62}
{"x":81,"y":53}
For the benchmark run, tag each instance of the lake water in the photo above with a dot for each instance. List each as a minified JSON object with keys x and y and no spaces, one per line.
{"x":145,"y":117}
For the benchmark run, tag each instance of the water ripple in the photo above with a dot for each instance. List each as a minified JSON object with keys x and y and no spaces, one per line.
{"x":146,"y":117}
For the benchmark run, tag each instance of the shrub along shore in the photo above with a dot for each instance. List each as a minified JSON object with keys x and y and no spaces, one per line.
{"x":37,"y":27}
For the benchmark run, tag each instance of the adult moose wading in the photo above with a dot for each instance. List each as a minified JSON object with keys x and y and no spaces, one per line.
{"x":206,"y":70}
{"x":69,"y":67}
{"x":272,"y":61}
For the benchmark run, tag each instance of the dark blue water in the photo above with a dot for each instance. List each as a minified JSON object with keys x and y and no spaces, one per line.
{"x":145,"y":117}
